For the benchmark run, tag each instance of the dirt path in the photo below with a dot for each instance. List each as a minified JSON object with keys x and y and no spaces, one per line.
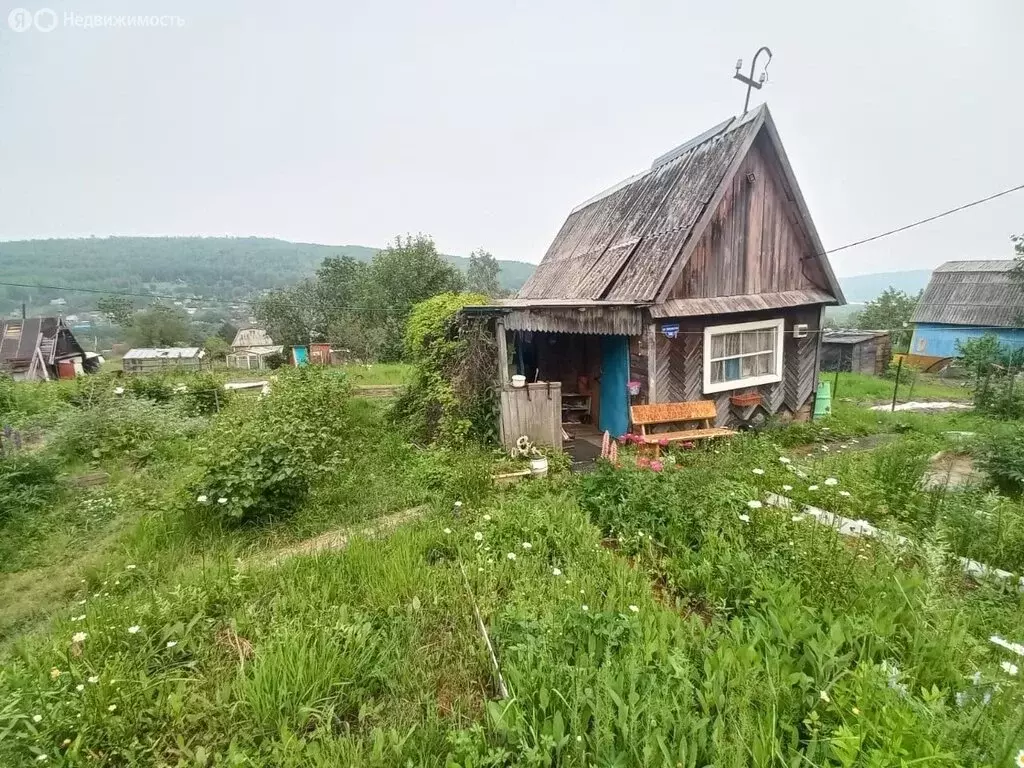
{"x":339,"y":538}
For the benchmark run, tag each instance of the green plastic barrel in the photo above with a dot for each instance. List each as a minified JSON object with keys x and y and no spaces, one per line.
{"x":823,"y":400}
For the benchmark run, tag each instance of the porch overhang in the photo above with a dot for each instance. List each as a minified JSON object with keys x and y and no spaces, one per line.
{"x":754,"y":302}
{"x":589,"y":316}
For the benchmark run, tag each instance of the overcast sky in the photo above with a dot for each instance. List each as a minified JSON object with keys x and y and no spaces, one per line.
{"x":484,"y":123}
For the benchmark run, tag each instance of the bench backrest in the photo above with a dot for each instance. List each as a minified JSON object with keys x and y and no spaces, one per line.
{"x":668,"y":413}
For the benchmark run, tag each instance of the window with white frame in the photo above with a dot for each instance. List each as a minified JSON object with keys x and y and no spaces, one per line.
{"x":742,"y":355}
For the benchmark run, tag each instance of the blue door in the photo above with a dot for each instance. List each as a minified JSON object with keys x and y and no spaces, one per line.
{"x":300,"y":355}
{"x":614,"y":412}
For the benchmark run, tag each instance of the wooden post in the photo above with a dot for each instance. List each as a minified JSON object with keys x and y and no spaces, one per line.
{"x":652,"y":364}
{"x":499,"y":332}
{"x":896,"y":389}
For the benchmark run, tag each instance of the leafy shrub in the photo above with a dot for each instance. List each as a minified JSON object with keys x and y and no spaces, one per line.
{"x":275,"y":360}
{"x":159,"y":389}
{"x":451,"y":397}
{"x":135,"y":430}
{"x":261,"y":458}
{"x":205,"y":394}
{"x":1001,"y":455}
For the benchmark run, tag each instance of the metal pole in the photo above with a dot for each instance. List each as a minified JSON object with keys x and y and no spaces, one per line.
{"x":835,"y":385}
{"x":896,"y":389}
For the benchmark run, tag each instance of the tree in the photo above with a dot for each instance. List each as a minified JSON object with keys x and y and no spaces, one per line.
{"x":482,"y":274}
{"x":159,"y":326}
{"x":117,"y":309}
{"x":227,"y":332}
{"x":891,"y":311}
{"x":291,"y":316}
{"x":1018,"y":266}
{"x":216,"y":348}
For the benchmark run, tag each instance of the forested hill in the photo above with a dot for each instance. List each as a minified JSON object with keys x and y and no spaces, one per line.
{"x":225,"y":267}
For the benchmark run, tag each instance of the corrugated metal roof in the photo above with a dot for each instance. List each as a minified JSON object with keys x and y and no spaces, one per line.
{"x":979,"y":293}
{"x":990,"y":265}
{"x":252,"y":337}
{"x":754,"y":302}
{"x":162,"y":353}
{"x":849,"y":336}
{"x":620,"y":244}
{"x":620,"y":321}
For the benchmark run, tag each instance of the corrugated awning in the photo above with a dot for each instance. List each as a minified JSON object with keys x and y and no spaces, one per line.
{"x":722,"y":305}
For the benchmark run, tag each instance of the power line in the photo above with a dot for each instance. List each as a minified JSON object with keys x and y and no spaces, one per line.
{"x":248,"y":302}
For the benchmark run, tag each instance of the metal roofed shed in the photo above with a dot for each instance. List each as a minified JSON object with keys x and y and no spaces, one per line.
{"x":147,"y":359}
{"x":853,"y":351}
{"x":966,"y":300}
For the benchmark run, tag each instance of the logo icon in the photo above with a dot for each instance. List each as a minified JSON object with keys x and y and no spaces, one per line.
{"x":20,"y":20}
{"x":45,"y":19}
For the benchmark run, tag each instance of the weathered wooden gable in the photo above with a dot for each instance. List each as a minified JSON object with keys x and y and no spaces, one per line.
{"x":756,"y":241}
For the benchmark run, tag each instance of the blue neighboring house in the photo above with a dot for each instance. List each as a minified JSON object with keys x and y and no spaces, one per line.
{"x":966,"y":300}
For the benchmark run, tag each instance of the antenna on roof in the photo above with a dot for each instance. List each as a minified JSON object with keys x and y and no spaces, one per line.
{"x":749,"y":80}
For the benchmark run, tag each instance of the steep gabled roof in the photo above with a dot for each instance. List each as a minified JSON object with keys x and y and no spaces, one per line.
{"x":252,"y":337}
{"x":622,"y":245}
{"x":980,"y":293}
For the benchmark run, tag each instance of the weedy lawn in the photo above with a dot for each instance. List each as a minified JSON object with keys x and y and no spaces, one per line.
{"x":641,"y":616}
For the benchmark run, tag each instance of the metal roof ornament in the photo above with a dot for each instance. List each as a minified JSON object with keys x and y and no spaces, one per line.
{"x":749,"y":79}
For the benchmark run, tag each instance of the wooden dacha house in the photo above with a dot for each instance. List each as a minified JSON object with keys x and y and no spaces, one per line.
{"x":701,"y":277}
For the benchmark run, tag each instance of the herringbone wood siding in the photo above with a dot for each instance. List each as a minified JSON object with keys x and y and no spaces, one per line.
{"x":680,"y":367}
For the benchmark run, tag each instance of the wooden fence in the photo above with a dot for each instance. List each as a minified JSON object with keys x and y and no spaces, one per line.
{"x":535,"y":411}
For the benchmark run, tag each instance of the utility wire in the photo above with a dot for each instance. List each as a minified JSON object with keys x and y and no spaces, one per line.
{"x":250,"y":302}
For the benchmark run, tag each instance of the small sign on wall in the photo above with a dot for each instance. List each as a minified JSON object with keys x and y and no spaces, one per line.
{"x":670,"y":330}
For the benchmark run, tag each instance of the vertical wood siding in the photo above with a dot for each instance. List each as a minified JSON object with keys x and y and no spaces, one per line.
{"x":755,"y":243}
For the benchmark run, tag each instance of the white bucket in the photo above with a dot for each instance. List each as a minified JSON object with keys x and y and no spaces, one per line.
{"x":518,"y":381}
{"x":539,"y":466}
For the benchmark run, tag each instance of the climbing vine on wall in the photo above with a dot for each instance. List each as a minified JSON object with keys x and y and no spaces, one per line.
{"x":452,"y":397}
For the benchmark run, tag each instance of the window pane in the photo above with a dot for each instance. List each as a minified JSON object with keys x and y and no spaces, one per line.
{"x":765,"y":364}
{"x":732,"y":344}
{"x":732,"y":369}
{"x":766,"y":340}
{"x":748,"y":366}
{"x":749,"y":342}
{"x":717,"y":372}
{"x":717,"y":346}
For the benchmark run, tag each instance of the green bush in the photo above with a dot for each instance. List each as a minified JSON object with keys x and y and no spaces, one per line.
{"x":135,"y":430}
{"x":261,"y":458}
{"x":1001,"y":455}
{"x":205,"y":394}
{"x":451,"y":397}
{"x":153,"y":386}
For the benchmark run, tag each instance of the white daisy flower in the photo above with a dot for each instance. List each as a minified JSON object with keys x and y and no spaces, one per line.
{"x":222,"y":500}
{"x":94,"y":679}
{"x":527,"y":545}
{"x":79,"y":637}
{"x":487,"y":518}
{"x":758,"y":471}
{"x":1008,"y":668}
{"x":447,"y":530}
{"x":823,"y":695}
{"x":134,"y":629}
{"x":202,"y":498}
{"x":478,"y":536}
{"x":812,"y":487}
{"x":754,"y":504}
{"x":1020,"y":759}
{"x":511,"y":555}
{"x":131,"y":567}
{"x":556,"y":571}
{"x":42,"y":758}
{"x":37,"y":718}
{"x":844,"y":493}
{"x":586,"y":607}
{"x":831,"y":481}
{"x":745,"y":518}
{"x":787,"y":487}
{"x":171,"y":643}
{"x":112,"y":707}
{"x":458,"y":504}
{"x":79,"y":687}
{"x":634,"y":609}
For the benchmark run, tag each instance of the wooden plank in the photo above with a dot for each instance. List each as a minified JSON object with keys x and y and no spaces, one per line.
{"x":652,"y":363}
{"x":499,"y":331}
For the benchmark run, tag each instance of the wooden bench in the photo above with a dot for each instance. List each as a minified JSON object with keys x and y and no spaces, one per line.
{"x":704,"y":411}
